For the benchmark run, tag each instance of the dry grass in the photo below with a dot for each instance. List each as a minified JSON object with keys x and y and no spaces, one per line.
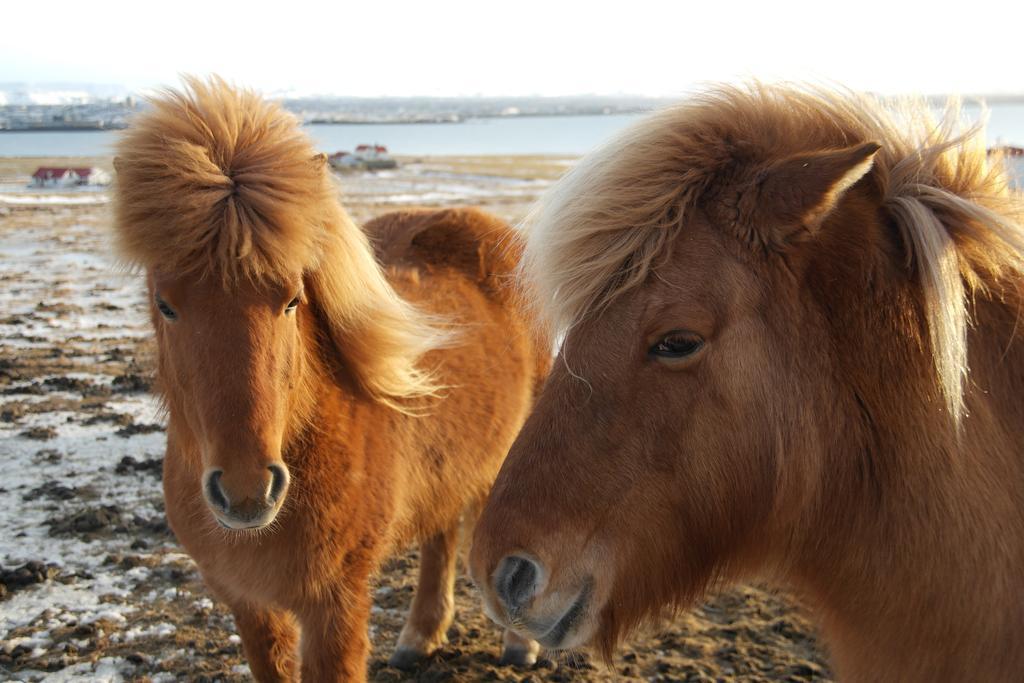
{"x":525,"y":167}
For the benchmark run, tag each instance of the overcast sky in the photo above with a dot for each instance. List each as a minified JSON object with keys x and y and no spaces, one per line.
{"x":525,"y":47}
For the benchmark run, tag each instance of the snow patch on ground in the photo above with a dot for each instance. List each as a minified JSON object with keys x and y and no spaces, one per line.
{"x":53,"y":199}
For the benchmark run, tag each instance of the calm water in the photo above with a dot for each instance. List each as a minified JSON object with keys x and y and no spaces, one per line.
{"x":568,"y":135}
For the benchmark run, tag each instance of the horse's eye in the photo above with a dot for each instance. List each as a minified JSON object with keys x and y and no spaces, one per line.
{"x":676,"y":345}
{"x":165,"y":310}
{"x":292,"y":305}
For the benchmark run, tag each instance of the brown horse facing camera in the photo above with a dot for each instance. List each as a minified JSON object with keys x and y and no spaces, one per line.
{"x":771,"y":298}
{"x":317,"y":421}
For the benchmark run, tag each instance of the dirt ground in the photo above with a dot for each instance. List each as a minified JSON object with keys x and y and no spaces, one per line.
{"x":92,"y":584}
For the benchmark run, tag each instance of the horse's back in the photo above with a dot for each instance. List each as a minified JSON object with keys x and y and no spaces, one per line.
{"x":479,"y":245}
{"x":424,"y":244}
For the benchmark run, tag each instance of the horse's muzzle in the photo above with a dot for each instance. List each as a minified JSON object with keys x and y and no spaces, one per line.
{"x":235,"y":507}
{"x":556,"y":619}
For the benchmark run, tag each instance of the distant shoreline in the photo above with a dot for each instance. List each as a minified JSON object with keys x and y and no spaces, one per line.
{"x":456,"y":118}
{"x":360,"y":122}
{"x":387,"y":122}
{"x":467,"y":119}
{"x":61,"y":129}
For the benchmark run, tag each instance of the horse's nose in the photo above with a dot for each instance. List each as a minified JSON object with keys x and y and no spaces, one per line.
{"x":278,"y":482}
{"x":215,"y":495}
{"x":516,"y":581}
{"x":243,"y":504}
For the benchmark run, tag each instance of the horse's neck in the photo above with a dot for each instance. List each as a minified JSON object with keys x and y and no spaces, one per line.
{"x":917,"y":553}
{"x":364,"y":444}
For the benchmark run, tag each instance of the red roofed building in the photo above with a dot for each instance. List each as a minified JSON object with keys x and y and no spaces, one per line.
{"x":369,"y":157}
{"x":60,"y":176}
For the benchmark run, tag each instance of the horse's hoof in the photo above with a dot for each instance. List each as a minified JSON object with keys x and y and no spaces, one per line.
{"x":406,"y":658}
{"x":519,"y":657}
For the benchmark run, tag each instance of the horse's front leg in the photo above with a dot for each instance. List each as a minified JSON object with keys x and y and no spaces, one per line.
{"x":518,"y":651}
{"x":270,"y":641}
{"x":433,"y":606}
{"x":270,"y":637}
{"x":335,"y":638}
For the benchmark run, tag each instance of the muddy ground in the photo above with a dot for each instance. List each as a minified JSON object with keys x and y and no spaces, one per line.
{"x":92,"y":584}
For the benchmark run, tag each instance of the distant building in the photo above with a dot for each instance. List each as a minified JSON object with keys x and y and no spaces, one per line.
{"x":1014,"y":158}
{"x":56,"y":176}
{"x":370,"y":157}
{"x":342,"y":160}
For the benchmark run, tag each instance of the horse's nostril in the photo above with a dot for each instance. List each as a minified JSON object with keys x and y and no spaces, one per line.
{"x":214,"y":492}
{"x":278,"y":482}
{"x":516,"y":582}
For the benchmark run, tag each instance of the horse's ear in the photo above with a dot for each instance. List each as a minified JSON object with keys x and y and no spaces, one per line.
{"x":802,"y":190}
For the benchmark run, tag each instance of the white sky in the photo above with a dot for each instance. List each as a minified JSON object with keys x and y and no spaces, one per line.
{"x":520,"y":47}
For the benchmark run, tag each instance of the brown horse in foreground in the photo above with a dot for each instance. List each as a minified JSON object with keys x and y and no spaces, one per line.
{"x":790,"y":351}
{"x":317,"y":421}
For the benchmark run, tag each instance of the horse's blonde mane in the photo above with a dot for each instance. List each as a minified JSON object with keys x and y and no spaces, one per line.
{"x":213,"y":181}
{"x":599,"y":231}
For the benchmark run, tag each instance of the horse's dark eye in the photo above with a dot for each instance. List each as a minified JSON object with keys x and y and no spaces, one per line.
{"x":677,"y":345}
{"x":165,"y":310}
{"x":292,"y":305}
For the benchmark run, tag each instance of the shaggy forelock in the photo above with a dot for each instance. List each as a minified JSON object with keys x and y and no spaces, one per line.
{"x":215,"y":179}
{"x":599,"y":231}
